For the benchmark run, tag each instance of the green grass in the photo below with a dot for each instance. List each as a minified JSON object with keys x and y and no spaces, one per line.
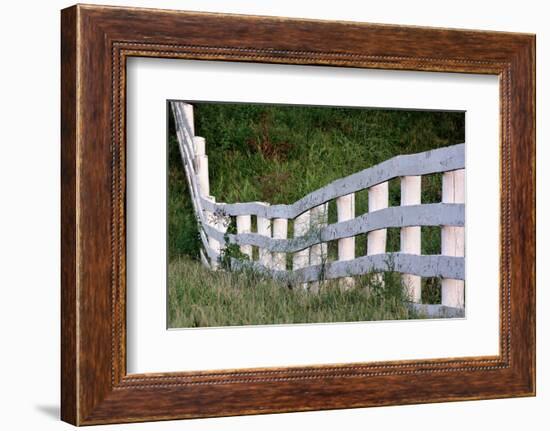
{"x":278,"y":154}
{"x":198,"y":297}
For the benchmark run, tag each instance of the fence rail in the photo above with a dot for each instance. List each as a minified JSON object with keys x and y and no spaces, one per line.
{"x":429,"y":162}
{"x":404,"y":216}
{"x":312,"y":231}
{"x":421,"y":265}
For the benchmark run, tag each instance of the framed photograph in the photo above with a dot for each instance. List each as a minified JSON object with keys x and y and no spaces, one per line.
{"x":266,"y":215}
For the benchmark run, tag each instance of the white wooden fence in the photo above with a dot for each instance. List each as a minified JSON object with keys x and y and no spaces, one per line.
{"x":309,"y":215}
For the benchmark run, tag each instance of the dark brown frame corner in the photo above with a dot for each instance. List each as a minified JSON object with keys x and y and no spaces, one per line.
{"x":95,"y":43}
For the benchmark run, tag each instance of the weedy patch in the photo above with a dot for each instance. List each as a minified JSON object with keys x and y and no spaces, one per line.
{"x":202,"y":298}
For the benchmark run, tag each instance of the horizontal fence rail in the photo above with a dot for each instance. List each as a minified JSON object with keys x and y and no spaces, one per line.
{"x":417,"y":215}
{"x":422,"y":265}
{"x":429,"y":162}
{"x":308,"y":246}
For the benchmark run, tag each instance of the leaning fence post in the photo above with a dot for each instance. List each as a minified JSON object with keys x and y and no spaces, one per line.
{"x":300,"y":259}
{"x":189,"y":116}
{"x":411,"y":187}
{"x":376,"y":240}
{"x":318,"y":252}
{"x":452,"y":238}
{"x":244,"y":225}
{"x":263,"y":226}
{"x":345,"y":207}
{"x":280,"y":231}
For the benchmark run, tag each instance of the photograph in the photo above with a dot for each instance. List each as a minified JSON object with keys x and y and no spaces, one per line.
{"x":296,"y":214}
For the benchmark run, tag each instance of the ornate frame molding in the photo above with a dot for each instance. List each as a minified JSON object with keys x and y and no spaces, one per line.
{"x":96,"y":41}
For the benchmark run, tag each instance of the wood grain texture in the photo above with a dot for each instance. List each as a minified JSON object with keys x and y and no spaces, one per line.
{"x":96,"y":41}
{"x":428,"y":265}
{"x":397,"y":216}
{"x":69,"y":396}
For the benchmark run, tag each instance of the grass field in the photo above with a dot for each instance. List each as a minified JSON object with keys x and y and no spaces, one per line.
{"x":198,"y":297}
{"x":278,"y":154}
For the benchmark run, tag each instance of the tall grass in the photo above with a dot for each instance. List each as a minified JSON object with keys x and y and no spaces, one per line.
{"x":198,"y":297}
{"x":278,"y":154}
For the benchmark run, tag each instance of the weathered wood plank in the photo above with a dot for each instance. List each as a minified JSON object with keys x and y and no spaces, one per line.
{"x":411,"y":192}
{"x":188,"y":116}
{"x":376,"y":239}
{"x":345,"y":207}
{"x":263,"y":227}
{"x":402,"y":216}
{"x":439,"y":160}
{"x":280,"y":232}
{"x":201,"y":163}
{"x":300,"y":259}
{"x":244,"y":226}
{"x":318,"y":253}
{"x":452,"y":239}
{"x":421,"y":265}
{"x":183,"y":116}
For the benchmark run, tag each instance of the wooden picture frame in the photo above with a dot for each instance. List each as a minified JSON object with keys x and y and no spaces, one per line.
{"x":95,"y":43}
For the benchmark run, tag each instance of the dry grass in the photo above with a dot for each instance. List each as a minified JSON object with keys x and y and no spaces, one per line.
{"x":199,"y":297}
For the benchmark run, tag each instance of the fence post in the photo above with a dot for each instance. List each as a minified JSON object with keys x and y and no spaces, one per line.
{"x":318,"y":252}
{"x":452,"y":238}
{"x":280,"y":231}
{"x":201,"y":170}
{"x":411,"y":189}
{"x":244,"y":225}
{"x":219,"y":223}
{"x":300,"y":259}
{"x":201,"y":165}
{"x":376,"y":240}
{"x":189,"y":116}
{"x":345,"y":207}
{"x":263,"y":226}
{"x":199,"y":146}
